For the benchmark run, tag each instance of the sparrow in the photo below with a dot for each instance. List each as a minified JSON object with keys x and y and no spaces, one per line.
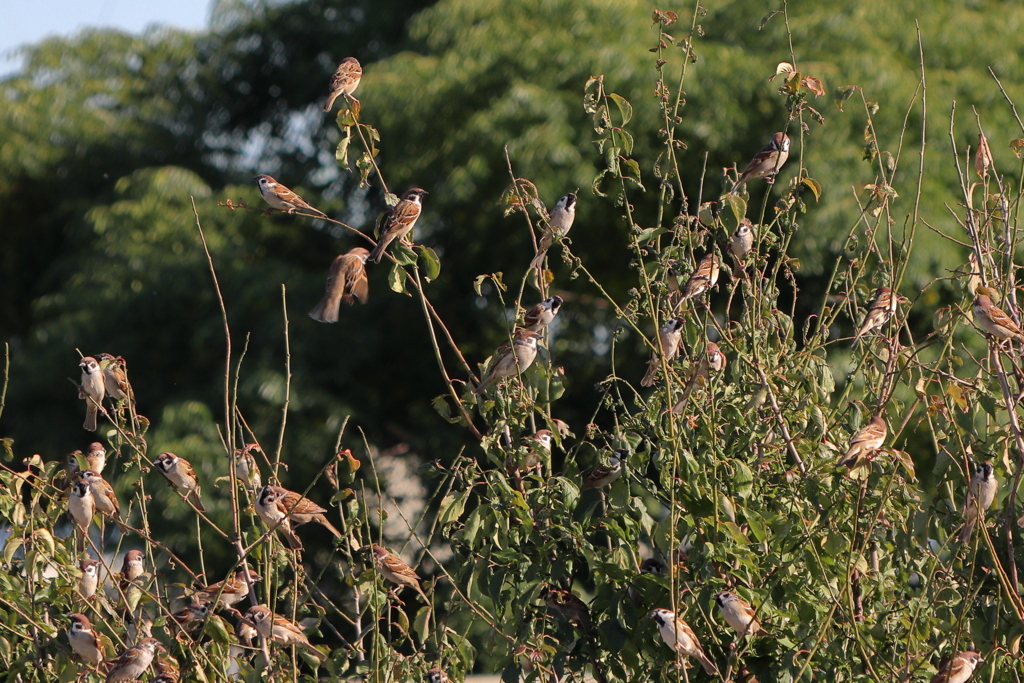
{"x":92,"y":390}
{"x":865,"y":442}
{"x":132,"y":567}
{"x":281,"y":198}
{"x":678,"y":635}
{"x":538,"y":447}
{"x":959,"y":668}
{"x":134,"y":661}
{"x":669,"y":336}
{"x":982,"y":491}
{"x":115,"y":381}
{"x":196,"y":611}
{"x":560,"y":220}
{"x":982,"y":157}
{"x":344,"y":81}
{"x":81,"y":505}
{"x":542,"y":314}
{"x":246,"y":469}
{"x":137,"y":628}
{"x":90,"y":578}
{"x":569,"y":605}
{"x":245,"y":632}
{"x":181,"y":477}
{"x":603,"y":475}
{"x":346,"y":282}
{"x":277,"y":505}
{"x":230,"y":591}
{"x":96,"y":457}
{"x":713,"y":360}
{"x":738,"y":613}
{"x":280,"y":630}
{"x":740,"y":244}
{"x":103,"y":495}
{"x":767,"y":162}
{"x":881,"y":309}
{"x":702,"y":279}
{"x":399,"y":222}
{"x":651,"y":565}
{"x":84,"y":641}
{"x":165,"y":674}
{"x":396,"y":571}
{"x":436,"y":675}
{"x":994,"y":321}
{"x":512,"y":361}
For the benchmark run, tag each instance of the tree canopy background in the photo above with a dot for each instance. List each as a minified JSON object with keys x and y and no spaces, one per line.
{"x":106,"y":136}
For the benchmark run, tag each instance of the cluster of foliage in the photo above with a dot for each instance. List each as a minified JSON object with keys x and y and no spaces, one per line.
{"x":732,"y":481}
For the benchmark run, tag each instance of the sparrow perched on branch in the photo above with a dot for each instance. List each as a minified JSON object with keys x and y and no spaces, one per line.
{"x":881,"y":309}
{"x":231,"y":590}
{"x":115,"y":380}
{"x":512,"y":361}
{"x":344,"y":81}
{"x":569,"y":605}
{"x":96,"y":457}
{"x":767,"y":162}
{"x":280,"y":630}
{"x":86,"y":643}
{"x":982,"y":491}
{"x":181,"y":477}
{"x":246,"y":469}
{"x":132,"y":566}
{"x":399,"y":222}
{"x":90,"y":579}
{"x":134,"y":661}
{"x":542,"y":314}
{"x":436,"y":675}
{"x":994,"y":321}
{"x":958,"y":669}
{"x":669,"y":337}
{"x":92,"y":389}
{"x":864,"y":443}
{"x":603,"y":475}
{"x":277,"y":505}
{"x":559,"y":222}
{"x":396,"y":571}
{"x":346,"y":282}
{"x":678,"y":635}
{"x":103,"y":495}
{"x":702,"y":279}
{"x":281,"y":198}
{"x":81,"y":506}
{"x":740,"y":244}
{"x":713,"y":361}
{"x":738,"y":613}
{"x":196,"y":611}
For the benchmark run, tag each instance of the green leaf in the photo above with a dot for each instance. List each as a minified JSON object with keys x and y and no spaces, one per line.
{"x":402,"y":254}
{"x":814,"y":186}
{"x":431,"y":263}
{"x":625,"y":108}
{"x":452,"y":507}
{"x":738,"y":207}
{"x":396,"y":279}
{"x":341,"y":153}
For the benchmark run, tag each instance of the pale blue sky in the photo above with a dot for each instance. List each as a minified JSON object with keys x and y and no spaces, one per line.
{"x":28,"y":21}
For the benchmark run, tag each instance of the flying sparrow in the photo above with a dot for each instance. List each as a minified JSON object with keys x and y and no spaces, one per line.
{"x":103,"y":495}
{"x":115,"y":380}
{"x":197,"y":611}
{"x":702,"y":279}
{"x":603,"y":475}
{"x":669,"y":336}
{"x":399,"y":221}
{"x":231,"y":590}
{"x":132,"y":566}
{"x":396,"y":571}
{"x":982,"y":493}
{"x":90,"y":578}
{"x":84,"y":641}
{"x":994,"y":321}
{"x":559,"y":222}
{"x":81,"y":505}
{"x":246,"y":469}
{"x":882,"y":308}
{"x":678,"y":635}
{"x":281,"y":630}
{"x":345,"y":81}
{"x":512,"y":361}
{"x":181,"y":477}
{"x":738,"y":613}
{"x":542,"y":314}
{"x":436,"y":675}
{"x":92,"y":390}
{"x":281,"y":198}
{"x":864,"y":443}
{"x":277,"y":505}
{"x":959,"y":668}
{"x":767,"y":162}
{"x":346,"y":282}
{"x":569,"y":605}
{"x":134,"y":661}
